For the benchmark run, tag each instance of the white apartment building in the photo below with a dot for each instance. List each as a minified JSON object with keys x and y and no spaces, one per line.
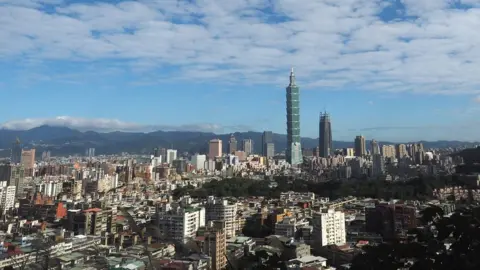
{"x":220,"y":209}
{"x":329,"y":227}
{"x":171,"y":155}
{"x":179,"y":223}
{"x":7,"y":197}
{"x":198,"y":161}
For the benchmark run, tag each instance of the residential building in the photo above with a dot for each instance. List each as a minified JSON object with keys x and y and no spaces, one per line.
{"x":179,"y":223}
{"x":221,"y":209}
{"x":329,"y":227}
{"x":171,"y":155}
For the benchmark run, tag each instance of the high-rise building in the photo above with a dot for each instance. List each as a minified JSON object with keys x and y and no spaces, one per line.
{"x":232,"y":144}
{"x":179,"y":223}
{"x":269,"y":149}
{"x":325,"y":137}
{"x":215,"y":243}
{"x":267,"y":138}
{"x":329,"y":227}
{"x":349,"y":152}
{"x":401,"y":150}
{"x":198,"y":161}
{"x":214,"y":149}
{"x":248,"y":146}
{"x":378,"y":165}
{"x":28,"y":161}
{"x":360,"y":147}
{"x":294,"y":148}
{"x":171,"y":155}
{"x":221,"y":209}
{"x":388,"y":151}
{"x":375,"y":148}
{"x":16,"y":156}
{"x":90,"y":152}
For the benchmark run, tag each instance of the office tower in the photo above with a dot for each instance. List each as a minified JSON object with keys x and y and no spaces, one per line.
{"x":388,"y":151}
{"x":360,"y":147}
{"x":325,"y":136}
{"x":171,"y":155}
{"x":401,"y":150}
{"x":374,"y":147}
{"x":90,"y":152}
{"x":378,"y":165}
{"x":267,"y":138}
{"x":28,"y":161}
{"x":329,"y":227}
{"x":214,"y":149}
{"x":248,"y":146}
{"x":163,"y":153}
{"x":269,"y":149}
{"x":221,"y":209}
{"x":198,"y":161}
{"x":294,"y":148}
{"x":16,"y":156}
{"x":232,"y":144}
{"x":156,"y":152}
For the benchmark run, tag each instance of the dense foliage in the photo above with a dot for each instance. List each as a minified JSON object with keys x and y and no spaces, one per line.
{"x":445,"y":243}
{"x":417,"y":188}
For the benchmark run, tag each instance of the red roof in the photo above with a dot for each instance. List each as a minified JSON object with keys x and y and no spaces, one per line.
{"x":92,"y":210}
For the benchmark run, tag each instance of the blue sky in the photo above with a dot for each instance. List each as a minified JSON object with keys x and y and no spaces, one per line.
{"x":392,"y":70}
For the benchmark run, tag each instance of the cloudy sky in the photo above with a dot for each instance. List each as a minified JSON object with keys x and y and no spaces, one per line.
{"x":395,"y":70}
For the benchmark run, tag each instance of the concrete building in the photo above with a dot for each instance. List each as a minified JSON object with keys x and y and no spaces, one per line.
{"x":198,"y":161}
{"x":171,"y":155}
{"x":221,"y":209}
{"x":401,"y":150}
{"x":329,"y":227}
{"x":215,"y":244}
{"x":7,"y":198}
{"x":267,"y":142}
{"x":214,"y":149}
{"x":232,"y":144}
{"x":28,"y":161}
{"x":248,"y":146}
{"x":269,"y":150}
{"x":179,"y":223}
{"x":378,"y":165}
{"x":388,"y":151}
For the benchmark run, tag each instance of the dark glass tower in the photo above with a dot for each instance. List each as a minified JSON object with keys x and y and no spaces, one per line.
{"x":266,"y":139}
{"x":294,"y":148}
{"x":16,"y":156}
{"x":325,"y":144}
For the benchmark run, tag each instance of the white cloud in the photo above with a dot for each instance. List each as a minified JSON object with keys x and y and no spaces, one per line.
{"x":332,"y":43}
{"x":107,"y":125}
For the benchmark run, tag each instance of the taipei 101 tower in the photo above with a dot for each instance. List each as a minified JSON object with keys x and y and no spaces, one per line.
{"x":294,"y":148}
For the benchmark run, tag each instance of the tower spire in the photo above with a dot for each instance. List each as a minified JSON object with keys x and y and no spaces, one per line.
{"x":292,"y":77}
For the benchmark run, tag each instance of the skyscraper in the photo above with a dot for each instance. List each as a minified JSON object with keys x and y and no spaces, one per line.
{"x":232,"y":144}
{"x":248,"y":146}
{"x":266,"y":139}
{"x":16,"y":152}
{"x":214,"y":149}
{"x":294,"y":148}
{"x":360,"y":147}
{"x":375,"y":147}
{"x":325,"y":137}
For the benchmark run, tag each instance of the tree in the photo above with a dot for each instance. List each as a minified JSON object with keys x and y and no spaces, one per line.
{"x":443,"y":243}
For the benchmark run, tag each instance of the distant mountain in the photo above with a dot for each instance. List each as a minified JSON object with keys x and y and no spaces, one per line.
{"x":64,"y":141}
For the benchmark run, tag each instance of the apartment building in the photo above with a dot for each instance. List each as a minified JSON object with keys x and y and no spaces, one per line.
{"x":329,"y":227}
{"x":221,"y":209}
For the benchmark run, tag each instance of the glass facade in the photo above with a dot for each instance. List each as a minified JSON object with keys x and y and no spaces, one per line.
{"x":294,"y":149}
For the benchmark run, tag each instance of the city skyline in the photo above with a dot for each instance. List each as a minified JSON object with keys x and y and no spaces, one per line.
{"x":117,"y":59}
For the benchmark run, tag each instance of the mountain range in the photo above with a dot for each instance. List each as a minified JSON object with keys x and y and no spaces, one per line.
{"x":67,"y":141}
